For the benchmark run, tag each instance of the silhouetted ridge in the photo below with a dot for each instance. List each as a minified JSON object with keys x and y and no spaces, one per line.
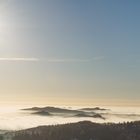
{"x":82,"y":131}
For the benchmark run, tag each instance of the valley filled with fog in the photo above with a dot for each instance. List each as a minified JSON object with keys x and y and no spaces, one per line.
{"x":17,"y":119}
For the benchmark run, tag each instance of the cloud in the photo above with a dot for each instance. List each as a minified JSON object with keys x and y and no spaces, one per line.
{"x":99,"y":58}
{"x":28,"y":59}
{"x":74,"y":60}
{"x":67,"y":60}
{"x":53,"y":60}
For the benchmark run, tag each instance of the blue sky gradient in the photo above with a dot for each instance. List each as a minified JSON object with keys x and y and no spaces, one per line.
{"x":77,"y":49}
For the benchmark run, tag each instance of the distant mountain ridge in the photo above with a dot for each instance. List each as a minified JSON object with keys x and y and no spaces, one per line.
{"x":53,"y":111}
{"x":94,"y":109}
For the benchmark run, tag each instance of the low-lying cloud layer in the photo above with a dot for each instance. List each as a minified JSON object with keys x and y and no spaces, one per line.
{"x":16,"y":119}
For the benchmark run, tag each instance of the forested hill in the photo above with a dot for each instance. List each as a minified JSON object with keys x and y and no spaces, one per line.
{"x":82,"y":131}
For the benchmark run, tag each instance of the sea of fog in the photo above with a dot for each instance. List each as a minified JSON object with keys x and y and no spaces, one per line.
{"x":13,"y":118}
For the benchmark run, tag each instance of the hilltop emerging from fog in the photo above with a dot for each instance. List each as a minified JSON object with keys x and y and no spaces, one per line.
{"x":55,"y":111}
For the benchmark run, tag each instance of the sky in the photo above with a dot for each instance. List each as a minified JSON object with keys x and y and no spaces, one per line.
{"x":70,"y":52}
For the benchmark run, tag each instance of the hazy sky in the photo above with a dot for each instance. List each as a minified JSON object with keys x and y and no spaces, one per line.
{"x":69,"y":51}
